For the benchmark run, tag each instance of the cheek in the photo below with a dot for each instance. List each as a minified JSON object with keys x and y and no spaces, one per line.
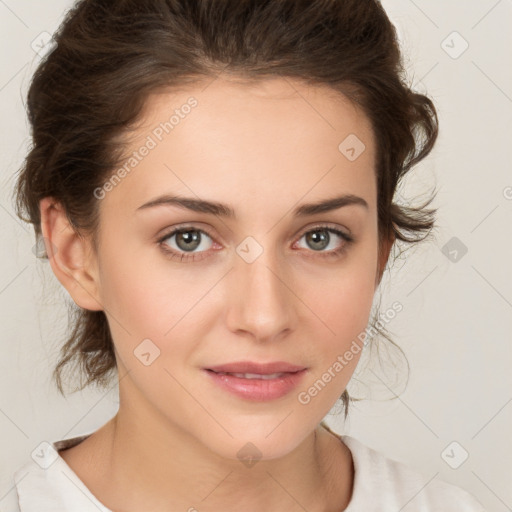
{"x":344,"y":309}
{"x":343,"y":298}
{"x":137,"y":294}
{"x":345,"y":312}
{"x":349,"y":304}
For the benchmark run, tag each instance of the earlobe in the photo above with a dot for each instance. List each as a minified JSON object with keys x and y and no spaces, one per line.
{"x":70,"y":255}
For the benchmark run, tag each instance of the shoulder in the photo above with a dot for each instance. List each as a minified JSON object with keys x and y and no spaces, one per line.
{"x":386,"y":484}
{"x":46,"y":483}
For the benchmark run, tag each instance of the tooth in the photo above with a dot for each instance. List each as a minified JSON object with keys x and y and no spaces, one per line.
{"x":271,"y":376}
{"x":253,"y":375}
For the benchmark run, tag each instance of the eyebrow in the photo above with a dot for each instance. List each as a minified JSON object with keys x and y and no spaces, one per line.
{"x":222,"y":210}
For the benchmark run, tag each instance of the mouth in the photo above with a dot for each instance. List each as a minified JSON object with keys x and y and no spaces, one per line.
{"x":256,"y":386}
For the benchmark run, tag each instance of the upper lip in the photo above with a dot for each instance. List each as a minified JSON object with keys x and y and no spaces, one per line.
{"x":257,"y":368}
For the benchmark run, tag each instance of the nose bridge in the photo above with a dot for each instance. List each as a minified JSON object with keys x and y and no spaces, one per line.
{"x":262,"y":303}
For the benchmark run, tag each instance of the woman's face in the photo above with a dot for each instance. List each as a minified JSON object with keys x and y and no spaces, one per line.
{"x":259,"y":285}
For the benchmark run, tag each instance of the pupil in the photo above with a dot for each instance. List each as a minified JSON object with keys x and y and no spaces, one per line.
{"x":319,"y":237}
{"x":187,"y":238}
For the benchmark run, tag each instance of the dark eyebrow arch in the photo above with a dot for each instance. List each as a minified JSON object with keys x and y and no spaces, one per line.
{"x":222,"y":210}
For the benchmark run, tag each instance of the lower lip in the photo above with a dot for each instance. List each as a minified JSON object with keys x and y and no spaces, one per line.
{"x":258,"y":389}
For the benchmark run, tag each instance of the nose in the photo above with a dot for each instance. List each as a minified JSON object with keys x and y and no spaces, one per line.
{"x":261,"y":300}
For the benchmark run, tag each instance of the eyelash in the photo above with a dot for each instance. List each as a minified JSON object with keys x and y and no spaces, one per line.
{"x":184,"y":257}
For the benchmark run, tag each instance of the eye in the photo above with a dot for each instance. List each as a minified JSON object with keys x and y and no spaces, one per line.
{"x":187,"y":239}
{"x":320,"y":238}
{"x":191,"y":244}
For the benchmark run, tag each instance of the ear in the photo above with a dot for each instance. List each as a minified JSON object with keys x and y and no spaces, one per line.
{"x":384,"y":251}
{"x":71,"y":256}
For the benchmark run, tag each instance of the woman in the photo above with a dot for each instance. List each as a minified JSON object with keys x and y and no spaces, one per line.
{"x":270,"y":137}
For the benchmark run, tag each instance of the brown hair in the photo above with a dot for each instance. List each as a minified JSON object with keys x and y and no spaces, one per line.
{"x":110,"y":55}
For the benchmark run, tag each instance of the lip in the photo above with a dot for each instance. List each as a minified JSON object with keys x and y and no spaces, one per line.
{"x":258,"y":390}
{"x":260,"y":368}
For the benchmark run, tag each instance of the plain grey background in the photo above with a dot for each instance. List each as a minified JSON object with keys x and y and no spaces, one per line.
{"x":454,"y":418}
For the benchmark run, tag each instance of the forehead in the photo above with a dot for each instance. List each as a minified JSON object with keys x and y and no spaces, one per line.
{"x":273,"y":139}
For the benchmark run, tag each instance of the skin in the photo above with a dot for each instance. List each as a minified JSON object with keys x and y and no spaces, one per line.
{"x":262,"y":149}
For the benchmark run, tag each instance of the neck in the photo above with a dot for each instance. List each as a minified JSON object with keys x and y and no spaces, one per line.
{"x":151,"y":464}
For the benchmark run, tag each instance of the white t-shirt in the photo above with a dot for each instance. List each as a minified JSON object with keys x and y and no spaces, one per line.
{"x":380,"y":484}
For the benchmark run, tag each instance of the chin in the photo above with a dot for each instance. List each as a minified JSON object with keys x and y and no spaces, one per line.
{"x":268,"y":440}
